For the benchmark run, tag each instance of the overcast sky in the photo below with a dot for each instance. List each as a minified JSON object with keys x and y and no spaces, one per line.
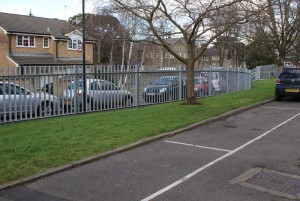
{"x":60,"y":9}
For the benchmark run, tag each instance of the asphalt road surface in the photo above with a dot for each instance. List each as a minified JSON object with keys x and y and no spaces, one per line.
{"x":254,"y":155}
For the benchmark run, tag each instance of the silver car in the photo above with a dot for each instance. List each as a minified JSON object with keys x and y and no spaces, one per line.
{"x":16,"y":100}
{"x":100,"y":94}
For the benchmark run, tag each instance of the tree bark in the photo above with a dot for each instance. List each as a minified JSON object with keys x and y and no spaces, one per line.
{"x":190,"y":74}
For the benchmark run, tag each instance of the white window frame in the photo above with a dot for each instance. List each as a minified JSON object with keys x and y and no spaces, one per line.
{"x":205,"y":58}
{"x":44,"y":40}
{"x":73,"y":44}
{"x":215,"y":58}
{"x":25,"y":38}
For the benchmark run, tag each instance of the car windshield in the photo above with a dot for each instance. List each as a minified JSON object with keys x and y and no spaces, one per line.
{"x":164,"y":81}
{"x":197,"y":81}
{"x":77,"y":84}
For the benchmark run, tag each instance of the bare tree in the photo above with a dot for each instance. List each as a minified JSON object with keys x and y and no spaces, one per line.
{"x":280,"y":21}
{"x":190,"y":20}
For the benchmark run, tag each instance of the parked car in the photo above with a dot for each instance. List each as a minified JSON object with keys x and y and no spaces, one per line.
{"x":100,"y":94}
{"x":201,"y":86}
{"x":48,"y":88}
{"x":16,"y":100}
{"x":165,"y":88}
{"x":216,"y":82}
{"x":288,"y":83}
{"x":213,"y":79}
{"x":56,"y":88}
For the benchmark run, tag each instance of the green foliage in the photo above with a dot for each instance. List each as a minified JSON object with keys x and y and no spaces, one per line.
{"x":105,"y":29}
{"x":260,"y":52}
{"x":76,"y":20}
{"x":32,"y":147}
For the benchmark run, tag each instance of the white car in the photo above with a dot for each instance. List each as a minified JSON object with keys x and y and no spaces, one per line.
{"x":16,"y":100}
{"x":100,"y":94}
{"x":216,"y":82}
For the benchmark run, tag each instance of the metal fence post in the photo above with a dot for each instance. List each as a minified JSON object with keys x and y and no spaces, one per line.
{"x":249,"y":79}
{"x":257,"y":73}
{"x":180,"y":82}
{"x":238,"y":79}
{"x":211,"y":87}
{"x":227,"y":80}
{"x":137,"y":85}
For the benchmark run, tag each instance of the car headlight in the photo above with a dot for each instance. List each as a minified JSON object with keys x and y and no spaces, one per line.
{"x":162,"y":90}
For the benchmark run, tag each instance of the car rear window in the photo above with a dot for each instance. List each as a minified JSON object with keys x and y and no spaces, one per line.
{"x":290,"y":74}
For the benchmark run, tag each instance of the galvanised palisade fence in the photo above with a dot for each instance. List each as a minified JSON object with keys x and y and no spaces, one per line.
{"x":265,"y":72}
{"x":30,"y":92}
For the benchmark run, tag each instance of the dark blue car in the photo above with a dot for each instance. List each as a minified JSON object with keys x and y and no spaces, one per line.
{"x":288,"y":83}
{"x":163,"y":89}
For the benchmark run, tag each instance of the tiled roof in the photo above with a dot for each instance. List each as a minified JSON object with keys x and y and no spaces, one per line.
{"x":44,"y":59}
{"x":36,"y":25}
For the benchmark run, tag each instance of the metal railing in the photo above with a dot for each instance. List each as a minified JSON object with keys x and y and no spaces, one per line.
{"x":31,"y":92}
{"x":264,"y":72}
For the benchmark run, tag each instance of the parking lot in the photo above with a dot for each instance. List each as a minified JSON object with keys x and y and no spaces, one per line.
{"x":254,"y":155}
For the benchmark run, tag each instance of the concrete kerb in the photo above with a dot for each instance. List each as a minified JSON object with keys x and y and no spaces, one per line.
{"x":125,"y":148}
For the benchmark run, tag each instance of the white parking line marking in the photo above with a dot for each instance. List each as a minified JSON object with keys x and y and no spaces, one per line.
{"x":192,"y":145}
{"x":283,"y":108}
{"x":176,"y":183}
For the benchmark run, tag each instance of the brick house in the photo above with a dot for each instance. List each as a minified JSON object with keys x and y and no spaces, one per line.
{"x":29,"y":40}
{"x":151,"y":54}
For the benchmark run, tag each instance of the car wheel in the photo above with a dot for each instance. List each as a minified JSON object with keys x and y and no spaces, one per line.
{"x":89,"y":106}
{"x":201,"y":92}
{"x":278,"y":98}
{"x":128,"y":102}
{"x":45,"y":109}
{"x":173,"y":96}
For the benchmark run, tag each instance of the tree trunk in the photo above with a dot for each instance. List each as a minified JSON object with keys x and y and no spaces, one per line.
{"x":190,"y":74}
{"x":281,"y":61}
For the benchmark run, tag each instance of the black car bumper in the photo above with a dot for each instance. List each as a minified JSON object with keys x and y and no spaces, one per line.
{"x":287,"y":90}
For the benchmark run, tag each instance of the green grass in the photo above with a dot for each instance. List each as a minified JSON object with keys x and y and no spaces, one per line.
{"x":31,"y":147}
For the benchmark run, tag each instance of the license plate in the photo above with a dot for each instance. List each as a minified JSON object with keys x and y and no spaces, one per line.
{"x":292,"y":90}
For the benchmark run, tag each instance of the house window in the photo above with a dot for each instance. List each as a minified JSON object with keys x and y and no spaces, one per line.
{"x":152,"y":54}
{"x":73,"y":44}
{"x":25,"y":41}
{"x":205,"y":58}
{"x":215,"y":58}
{"x":46,"y":42}
{"x":158,"y":54}
{"x":147,"y":54}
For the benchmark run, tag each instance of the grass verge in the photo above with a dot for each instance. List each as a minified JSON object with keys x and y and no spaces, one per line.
{"x":31,"y":147}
